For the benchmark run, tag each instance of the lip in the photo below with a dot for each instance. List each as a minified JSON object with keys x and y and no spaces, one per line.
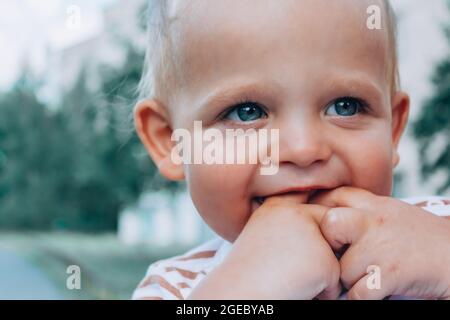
{"x":311,"y":190}
{"x":297,"y":189}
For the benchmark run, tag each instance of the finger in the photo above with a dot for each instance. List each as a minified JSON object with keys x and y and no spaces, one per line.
{"x":341,"y":226}
{"x":331,"y":293}
{"x":298,"y":198}
{"x":371,"y":287}
{"x":354,"y":264}
{"x":317,"y":212}
{"x":333,"y":281}
{"x":345,"y":197}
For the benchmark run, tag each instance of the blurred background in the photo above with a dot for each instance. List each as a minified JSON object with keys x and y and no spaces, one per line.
{"x":76,"y":186}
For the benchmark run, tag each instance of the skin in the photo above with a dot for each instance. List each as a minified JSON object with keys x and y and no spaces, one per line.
{"x":286,"y":56}
{"x":392,"y":235}
{"x":301,"y":265}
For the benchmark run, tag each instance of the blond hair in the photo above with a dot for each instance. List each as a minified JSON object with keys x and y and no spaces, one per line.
{"x":157,"y":52}
{"x":159,"y":76}
{"x":391,"y":25}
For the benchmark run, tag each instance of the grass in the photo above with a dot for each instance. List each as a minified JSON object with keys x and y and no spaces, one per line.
{"x":109,"y":269}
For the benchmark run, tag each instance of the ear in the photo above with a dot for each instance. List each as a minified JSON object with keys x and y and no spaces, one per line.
{"x":153,"y":127}
{"x":400,"y":114}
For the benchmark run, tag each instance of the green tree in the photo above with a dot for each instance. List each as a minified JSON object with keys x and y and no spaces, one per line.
{"x":77,"y":166}
{"x":26,"y":177}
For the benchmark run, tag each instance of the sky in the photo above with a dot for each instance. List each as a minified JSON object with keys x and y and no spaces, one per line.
{"x":30,"y":28}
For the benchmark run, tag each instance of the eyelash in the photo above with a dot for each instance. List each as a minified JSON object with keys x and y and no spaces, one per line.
{"x":223,"y":116}
{"x":365,"y":107}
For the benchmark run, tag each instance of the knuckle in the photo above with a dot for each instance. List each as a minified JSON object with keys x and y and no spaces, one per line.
{"x":330,"y":219}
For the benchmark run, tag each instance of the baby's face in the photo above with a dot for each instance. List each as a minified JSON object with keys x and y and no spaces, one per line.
{"x":311,"y":69}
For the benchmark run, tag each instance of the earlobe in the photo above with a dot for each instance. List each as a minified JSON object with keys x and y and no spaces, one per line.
{"x":400,"y":114}
{"x":153,"y":127}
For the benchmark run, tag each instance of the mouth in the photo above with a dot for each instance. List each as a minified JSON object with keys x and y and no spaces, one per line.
{"x":304,"y":195}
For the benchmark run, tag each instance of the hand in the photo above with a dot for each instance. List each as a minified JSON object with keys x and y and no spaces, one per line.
{"x":410,"y":246}
{"x":280,"y":254}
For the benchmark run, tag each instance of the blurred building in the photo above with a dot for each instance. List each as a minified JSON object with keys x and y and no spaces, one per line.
{"x":162,"y":219}
{"x":121,"y":23}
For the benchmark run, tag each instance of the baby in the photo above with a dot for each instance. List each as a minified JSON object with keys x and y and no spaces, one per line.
{"x":323,"y":74}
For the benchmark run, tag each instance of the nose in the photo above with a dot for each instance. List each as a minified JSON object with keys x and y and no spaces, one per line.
{"x":303,"y":143}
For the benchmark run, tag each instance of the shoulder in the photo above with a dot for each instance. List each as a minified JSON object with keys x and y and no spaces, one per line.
{"x":174,"y":278}
{"x":437,"y":205}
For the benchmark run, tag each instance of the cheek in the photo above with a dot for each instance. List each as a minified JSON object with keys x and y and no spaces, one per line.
{"x":369,"y":160}
{"x":220,"y":194}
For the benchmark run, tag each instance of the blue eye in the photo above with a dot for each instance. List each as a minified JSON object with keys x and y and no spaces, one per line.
{"x":345,"y":107}
{"x":246,"y":112}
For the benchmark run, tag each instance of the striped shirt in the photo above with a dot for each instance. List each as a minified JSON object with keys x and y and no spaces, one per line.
{"x":175,"y":278}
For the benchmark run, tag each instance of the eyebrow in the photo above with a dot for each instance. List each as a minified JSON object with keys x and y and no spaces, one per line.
{"x":231,"y":94}
{"x":355,"y":84}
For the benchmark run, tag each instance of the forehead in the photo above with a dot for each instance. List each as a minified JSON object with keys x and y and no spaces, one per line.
{"x":216,"y":39}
